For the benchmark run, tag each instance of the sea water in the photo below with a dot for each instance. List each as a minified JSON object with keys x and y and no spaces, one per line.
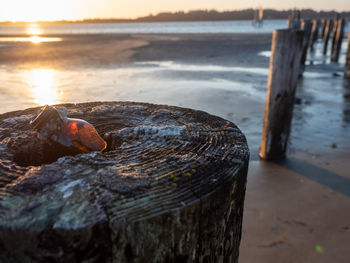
{"x":244,"y":26}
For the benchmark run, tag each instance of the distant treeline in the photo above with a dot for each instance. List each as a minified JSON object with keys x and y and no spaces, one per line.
{"x":247,"y":14}
{"x":213,"y":15}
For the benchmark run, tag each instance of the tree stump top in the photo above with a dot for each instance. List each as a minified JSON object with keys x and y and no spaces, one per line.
{"x":158,"y":159}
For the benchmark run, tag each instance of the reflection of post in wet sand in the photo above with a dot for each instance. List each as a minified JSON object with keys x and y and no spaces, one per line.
{"x":299,"y":115}
{"x":42,"y":86}
{"x":346,"y":102}
{"x":315,"y":56}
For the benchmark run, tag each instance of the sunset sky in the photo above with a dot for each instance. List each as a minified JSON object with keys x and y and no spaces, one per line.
{"x":32,"y":10}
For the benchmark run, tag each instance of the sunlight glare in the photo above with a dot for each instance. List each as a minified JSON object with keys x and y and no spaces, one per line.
{"x":41,"y":82}
{"x":32,"y":39}
{"x":35,"y":39}
{"x":33,"y":29}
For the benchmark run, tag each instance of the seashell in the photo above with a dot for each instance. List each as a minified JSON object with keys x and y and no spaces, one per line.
{"x":53,"y":124}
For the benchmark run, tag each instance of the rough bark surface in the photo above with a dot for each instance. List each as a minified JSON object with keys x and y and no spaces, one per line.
{"x":169,"y":188}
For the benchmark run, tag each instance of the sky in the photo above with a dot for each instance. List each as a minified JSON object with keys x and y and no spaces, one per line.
{"x":33,"y":10}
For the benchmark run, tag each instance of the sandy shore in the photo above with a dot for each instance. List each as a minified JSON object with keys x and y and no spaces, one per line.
{"x":107,"y":50}
{"x":295,"y":211}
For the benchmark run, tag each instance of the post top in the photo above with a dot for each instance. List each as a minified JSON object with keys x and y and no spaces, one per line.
{"x":158,"y":156}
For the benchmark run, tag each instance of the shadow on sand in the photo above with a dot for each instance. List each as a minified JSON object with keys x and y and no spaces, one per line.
{"x":346,"y":102}
{"x":324,"y":177}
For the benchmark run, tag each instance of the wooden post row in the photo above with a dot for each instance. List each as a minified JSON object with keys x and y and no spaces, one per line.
{"x":338,"y":39}
{"x":284,"y":68}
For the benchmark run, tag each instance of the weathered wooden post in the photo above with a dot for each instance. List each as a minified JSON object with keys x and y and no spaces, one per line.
{"x":323,"y":24}
{"x":306,"y":26}
{"x":314,"y":33}
{"x":284,"y":68}
{"x":338,"y":40}
{"x":328,"y":29}
{"x":290,"y":22}
{"x":169,"y":188}
{"x":334,"y":33}
{"x":347,"y":61}
{"x":293,"y":21}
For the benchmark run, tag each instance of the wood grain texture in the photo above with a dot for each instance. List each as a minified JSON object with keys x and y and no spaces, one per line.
{"x":169,"y":188}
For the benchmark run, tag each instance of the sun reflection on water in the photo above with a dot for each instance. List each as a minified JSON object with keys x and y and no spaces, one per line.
{"x":35,"y":39}
{"x":32,"y":39}
{"x":33,"y":29}
{"x":42,"y":86}
{"x":33,"y":32}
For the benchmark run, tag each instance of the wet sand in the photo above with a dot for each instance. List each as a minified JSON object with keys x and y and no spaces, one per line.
{"x":219,"y":73}
{"x":106,"y":50}
{"x":295,"y":211}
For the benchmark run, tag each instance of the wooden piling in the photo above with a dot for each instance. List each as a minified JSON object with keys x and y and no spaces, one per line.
{"x":293,"y":21}
{"x":334,"y":33}
{"x":323,"y":23}
{"x":289,"y":22}
{"x":338,"y":40}
{"x":347,"y":61}
{"x":327,"y":32}
{"x":294,"y":25}
{"x":306,"y":26}
{"x":170,"y":188}
{"x":314,"y":33}
{"x":284,"y":68}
